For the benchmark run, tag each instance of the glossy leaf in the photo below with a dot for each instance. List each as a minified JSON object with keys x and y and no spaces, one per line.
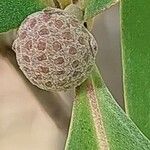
{"x":136,"y":61}
{"x":93,"y":7}
{"x":99,"y":123}
{"x":13,"y":12}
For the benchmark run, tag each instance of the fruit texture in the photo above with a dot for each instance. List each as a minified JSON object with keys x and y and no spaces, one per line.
{"x":54,"y":50}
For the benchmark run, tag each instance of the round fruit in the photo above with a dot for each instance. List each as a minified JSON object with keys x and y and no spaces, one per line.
{"x":54,"y":51}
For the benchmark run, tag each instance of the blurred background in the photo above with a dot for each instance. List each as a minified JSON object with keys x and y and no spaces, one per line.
{"x":32,"y":119}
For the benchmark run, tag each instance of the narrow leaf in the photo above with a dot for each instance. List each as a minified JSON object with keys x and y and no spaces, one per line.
{"x":13,"y":12}
{"x":136,"y":61}
{"x":93,"y":7}
{"x":99,"y":123}
{"x":82,"y":132}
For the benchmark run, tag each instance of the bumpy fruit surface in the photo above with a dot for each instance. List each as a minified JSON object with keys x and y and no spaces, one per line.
{"x":54,"y":51}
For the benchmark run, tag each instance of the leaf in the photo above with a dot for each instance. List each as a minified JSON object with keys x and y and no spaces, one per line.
{"x":93,"y":7}
{"x":99,"y":123}
{"x":82,"y":132}
{"x":136,"y":61}
{"x":13,"y":12}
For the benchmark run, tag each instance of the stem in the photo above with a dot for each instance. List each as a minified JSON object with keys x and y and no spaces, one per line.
{"x":57,"y":4}
{"x":74,"y":10}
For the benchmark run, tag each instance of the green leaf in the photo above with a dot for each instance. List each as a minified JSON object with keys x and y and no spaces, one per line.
{"x":13,"y":12}
{"x":93,"y":7}
{"x":99,"y":123}
{"x":82,"y":132}
{"x":135,"y":20}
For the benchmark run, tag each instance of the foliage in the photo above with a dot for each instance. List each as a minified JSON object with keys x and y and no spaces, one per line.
{"x":99,"y":123}
{"x":136,"y":61}
{"x":97,"y":120}
{"x":93,"y":7}
{"x":13,"y":12}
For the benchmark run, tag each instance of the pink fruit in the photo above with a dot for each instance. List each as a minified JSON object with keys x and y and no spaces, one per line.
{"x":54,"y":51}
